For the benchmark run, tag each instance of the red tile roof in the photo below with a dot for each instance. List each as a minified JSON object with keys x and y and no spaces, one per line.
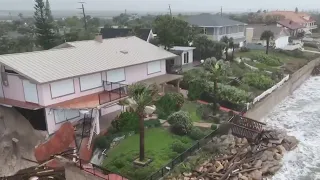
{"x":293,"y":16}
{"x":290,"y":24}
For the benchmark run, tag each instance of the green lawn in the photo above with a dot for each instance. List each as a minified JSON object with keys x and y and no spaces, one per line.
{"x":192,"y":107}
{"x":158,"y":143}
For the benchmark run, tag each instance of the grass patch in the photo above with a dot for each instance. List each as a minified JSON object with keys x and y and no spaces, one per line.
{"x":192,"y":109}
{"x":158,"y":147}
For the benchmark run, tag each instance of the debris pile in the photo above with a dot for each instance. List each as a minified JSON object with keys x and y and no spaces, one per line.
{"x":240,"y":160}
{"x":316,"y":71}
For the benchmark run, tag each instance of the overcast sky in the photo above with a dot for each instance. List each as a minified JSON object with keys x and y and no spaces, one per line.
{"x":162,"y":5}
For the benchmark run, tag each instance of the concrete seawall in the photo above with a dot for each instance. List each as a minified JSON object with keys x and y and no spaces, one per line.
{"x":262,"y":108}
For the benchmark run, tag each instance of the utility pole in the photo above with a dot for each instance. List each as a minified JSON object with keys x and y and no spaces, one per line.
{"x":170,"y":10}
{"x":221,"y":11}
{"x":84,"y":15}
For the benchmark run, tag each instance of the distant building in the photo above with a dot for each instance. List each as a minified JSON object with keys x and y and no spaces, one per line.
{"x":281,"y":35}
{"x":144,"y":33}
{"x":216,"y":26}
{"x":300,"y":18}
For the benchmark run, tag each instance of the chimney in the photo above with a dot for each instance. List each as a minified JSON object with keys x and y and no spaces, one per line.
{"x":98,"y":38}
{"x":290,"y":22}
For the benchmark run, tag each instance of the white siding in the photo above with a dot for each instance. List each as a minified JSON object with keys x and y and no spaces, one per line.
{"x":30,"y":92}
{"x":116,"y":75}
{"x":90,"y":81}
{"x":190,"y":56}
{"x":61,"y":88}
{"x":154,"y":67}
{"x":282,"y":42}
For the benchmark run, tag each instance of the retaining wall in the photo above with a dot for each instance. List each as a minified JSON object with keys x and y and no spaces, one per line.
{"x":74,"y":173}
{"x":262,"y":108}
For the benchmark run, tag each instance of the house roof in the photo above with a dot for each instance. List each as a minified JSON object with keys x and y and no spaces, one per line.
{"x":122,"y":32}
{"x":211,"y":20}
{"x":84,"y":57}
{"x":258,"y":29}
{"x":293,"y":16}
{"x":290,"y":24}
{"x":182,"y":48}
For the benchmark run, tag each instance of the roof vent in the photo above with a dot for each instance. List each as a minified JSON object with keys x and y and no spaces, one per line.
{"x":124,"y":52}
{"x":290,"y":22}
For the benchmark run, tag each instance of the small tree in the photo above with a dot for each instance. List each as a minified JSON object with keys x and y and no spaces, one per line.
{"x":45,"y":35}
{"x":231,"y":45}
{"x":296,"y":10}
{"x":143,"y":95}
{"x":267,"y":35}
{"x":226,"y":40}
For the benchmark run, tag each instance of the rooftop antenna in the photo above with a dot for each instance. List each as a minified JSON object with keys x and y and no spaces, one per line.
{"x":221,"y":11}
{"x":170,"y":10}
{"x":84,"y":14}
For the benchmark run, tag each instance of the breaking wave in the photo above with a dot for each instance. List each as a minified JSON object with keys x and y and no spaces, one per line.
{"x":299,"y":115}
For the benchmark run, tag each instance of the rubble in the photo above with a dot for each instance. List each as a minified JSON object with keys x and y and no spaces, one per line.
{"x":240,"y":160}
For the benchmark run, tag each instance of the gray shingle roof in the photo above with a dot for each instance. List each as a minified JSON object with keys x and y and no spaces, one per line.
{"x":85,"y":57}
{"x":207,"y":19}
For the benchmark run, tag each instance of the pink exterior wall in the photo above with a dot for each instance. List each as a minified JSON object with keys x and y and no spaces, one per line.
{"x":15,"y":88}
{"x":133,"y":74}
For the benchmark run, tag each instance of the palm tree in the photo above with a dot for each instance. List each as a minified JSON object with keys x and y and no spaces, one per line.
{"x":143,"y":95}
{"x":267,"y":35}
{"x":231,"y":45}
{"x":225,"y":40}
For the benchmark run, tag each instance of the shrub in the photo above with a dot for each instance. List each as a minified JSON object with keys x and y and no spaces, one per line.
{"x":152,"y":123}
{"x":214,"y":127}
{"x":168,"y":104}
{"x":102,"y":142}
{"x":180,"y":122}
{"x":209,"y":63}
{"x":244,"y":49}
{"x":126,"y":122}
{"x":258,"y":80}
{"x":266,"y":59}
{"x":192,"y":75}
{"x":196,"y":133}
{"x":232,"y":94}
{"x":178,"y":147}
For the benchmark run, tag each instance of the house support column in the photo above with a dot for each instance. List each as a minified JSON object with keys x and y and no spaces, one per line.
{"x":178,"y":85}
{"x":97,"y":119}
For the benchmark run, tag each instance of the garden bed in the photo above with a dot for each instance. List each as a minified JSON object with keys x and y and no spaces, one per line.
{"x":158,"y":147}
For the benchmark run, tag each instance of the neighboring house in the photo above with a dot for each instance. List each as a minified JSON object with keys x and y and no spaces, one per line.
{"x":216,"y":26}
{"x":145,"y":34}
{"x":281,"y":35}
{"x":301,"y":18}
{"x":59,"y":85}
{"x":293,"y":27}
{"x":185,"y":58}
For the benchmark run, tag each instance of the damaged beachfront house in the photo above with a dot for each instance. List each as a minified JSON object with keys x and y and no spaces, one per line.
{"x":63,"y":84}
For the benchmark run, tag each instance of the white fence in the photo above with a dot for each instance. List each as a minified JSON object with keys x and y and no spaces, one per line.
{"x":270,"y":90}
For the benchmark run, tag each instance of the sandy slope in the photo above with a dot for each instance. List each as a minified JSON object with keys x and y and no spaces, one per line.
{"x":14,"y":125}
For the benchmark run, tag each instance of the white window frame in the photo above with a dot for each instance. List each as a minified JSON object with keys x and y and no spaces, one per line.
{"x":112,"y":78}
{"x":57,"y":92}
{"x":151,"y":67}
{"x":63,"y":114}
{"x":91,"y":81}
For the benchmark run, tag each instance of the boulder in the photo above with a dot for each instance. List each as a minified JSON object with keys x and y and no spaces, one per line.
{"x":256,"y":175}
{"x":233,"y":151}
{"x":277,"y":141}
{"x":274,"y":169}
{"x":187,"y":174}
{"x":257,"y":164}
{"x":246,"y":166}
{"x":242,"y":177}
{"x":244,"y":141}
{"x":277,"y":156}
{"x":264,"y":169}
{"x":281,"y":149}
{"x":186,"y":178}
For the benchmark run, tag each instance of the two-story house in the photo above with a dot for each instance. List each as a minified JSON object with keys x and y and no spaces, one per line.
{"x":216,"y":26}
{"x":300,"y":18}
{"x":55,"y":86}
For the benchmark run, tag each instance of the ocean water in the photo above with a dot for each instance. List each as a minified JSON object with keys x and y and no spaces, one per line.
{"x":299,"y":115}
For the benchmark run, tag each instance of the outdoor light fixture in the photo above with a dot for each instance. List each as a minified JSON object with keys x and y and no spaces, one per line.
{"x":202,"y":61}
